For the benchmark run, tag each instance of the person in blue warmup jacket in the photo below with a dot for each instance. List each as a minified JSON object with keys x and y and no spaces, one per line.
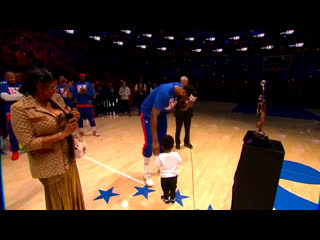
{"x":154,"y":117}
{"x":3,"y":119}
{"x":65,"y":91}
{"x":84,"y":94}
{"x":10,"y":94}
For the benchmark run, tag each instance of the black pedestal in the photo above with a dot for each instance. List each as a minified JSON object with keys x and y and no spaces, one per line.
{"x":257,"y":175}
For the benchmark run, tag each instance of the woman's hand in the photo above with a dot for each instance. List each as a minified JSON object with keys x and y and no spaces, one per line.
{"x":70,"y":127}
{"x":76,"y":114}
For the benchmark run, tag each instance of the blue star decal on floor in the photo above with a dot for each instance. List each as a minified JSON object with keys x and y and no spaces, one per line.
{"x":180,"y":197}
{"x":106,"y":195}
{"x":143,"y":191}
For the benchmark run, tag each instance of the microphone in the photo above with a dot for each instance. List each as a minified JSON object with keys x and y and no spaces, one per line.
{"x":69,"y":116}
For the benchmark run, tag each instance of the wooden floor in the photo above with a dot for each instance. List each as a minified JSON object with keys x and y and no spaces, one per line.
{"x":114,"y":160}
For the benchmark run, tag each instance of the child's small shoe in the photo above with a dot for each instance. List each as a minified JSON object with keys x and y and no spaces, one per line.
{"x":165,"y":200}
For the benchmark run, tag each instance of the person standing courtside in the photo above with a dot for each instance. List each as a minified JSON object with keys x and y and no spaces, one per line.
{"x":84,"y":93}
{"x":65,"y":91}
{"x":140,"y":90}
{"x":183,"y":118}
{"x":154,"y":118}
{"x":124,"y":93}
{"x":40,"y":123}
{"x":10,"y":94}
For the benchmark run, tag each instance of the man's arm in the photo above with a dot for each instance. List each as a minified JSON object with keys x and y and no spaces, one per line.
{"x":90,"y":90}
{"x":153,"y":124}
{"x":11,"y":97}
{"x":69,"y":92}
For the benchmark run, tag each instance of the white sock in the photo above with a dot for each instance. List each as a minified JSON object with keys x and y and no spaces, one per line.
{"x":81,"y":130}
{"x":93,"y":129}
{"x":147,"y":166}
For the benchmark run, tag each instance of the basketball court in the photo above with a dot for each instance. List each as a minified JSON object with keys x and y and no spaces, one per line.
{"x":111,"y":173}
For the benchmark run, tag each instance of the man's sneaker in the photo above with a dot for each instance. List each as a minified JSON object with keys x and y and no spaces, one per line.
{"x":15,"y":155}
{"x":81,"y":134}
{"x":166,"y":201}
{"x":177,"y":147}
{"x":3,"y":153}
{"x":95,"y":134}
{"x":148,"y":181}
{"x":172,"y":200}
{"x":188,"y":145}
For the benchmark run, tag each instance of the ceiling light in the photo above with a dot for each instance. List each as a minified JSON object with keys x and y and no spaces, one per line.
{"x":162,"y":48}
{"x":149,"y":35}
{"x":126,"y":31}
{"x":235,"y":38}
{"x":288,"y":32}
{"x":211,"y":39}
{"x":118,"y":43}
{"x":189,"y":38}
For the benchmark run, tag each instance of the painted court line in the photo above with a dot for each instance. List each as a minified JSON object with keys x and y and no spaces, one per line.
{"x":114,"y":170}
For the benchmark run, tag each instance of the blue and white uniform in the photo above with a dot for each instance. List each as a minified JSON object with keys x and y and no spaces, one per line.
{"x":10,"y":94}
{"x":64,"y":95}
{"x":84,"y":102}
{"x":163,"y":98}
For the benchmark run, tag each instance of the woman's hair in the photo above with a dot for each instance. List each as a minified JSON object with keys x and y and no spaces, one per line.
{"x":32,"y":77}
{"x":167,"y":142}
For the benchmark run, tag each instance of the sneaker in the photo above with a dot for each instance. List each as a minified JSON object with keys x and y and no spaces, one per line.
{"x":3,"y":153}
{"x":15,"y":155}
{"x":172,"y":200}
{"x":177,"y":147}
{"x":81,"y":134}
{"x":166,"y":201}
{"x":95,"y":134}
{"x":148,"y":181}
{"x":188,"y":145}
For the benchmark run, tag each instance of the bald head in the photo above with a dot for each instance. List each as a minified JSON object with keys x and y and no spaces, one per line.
{"x":184,"y":80}
{"x":11,"y":77}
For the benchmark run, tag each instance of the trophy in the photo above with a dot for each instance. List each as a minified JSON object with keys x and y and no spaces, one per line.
{"x":261,"y":112}
{"x":259,"y":138}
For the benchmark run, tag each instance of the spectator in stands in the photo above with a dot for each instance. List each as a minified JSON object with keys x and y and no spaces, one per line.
{"x":124,"y":93}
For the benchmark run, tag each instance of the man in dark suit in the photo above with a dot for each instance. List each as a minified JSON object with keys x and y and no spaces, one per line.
{"x":183,"y":117}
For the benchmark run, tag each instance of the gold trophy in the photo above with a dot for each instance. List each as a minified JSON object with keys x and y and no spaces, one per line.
{"x":259,"y":136}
